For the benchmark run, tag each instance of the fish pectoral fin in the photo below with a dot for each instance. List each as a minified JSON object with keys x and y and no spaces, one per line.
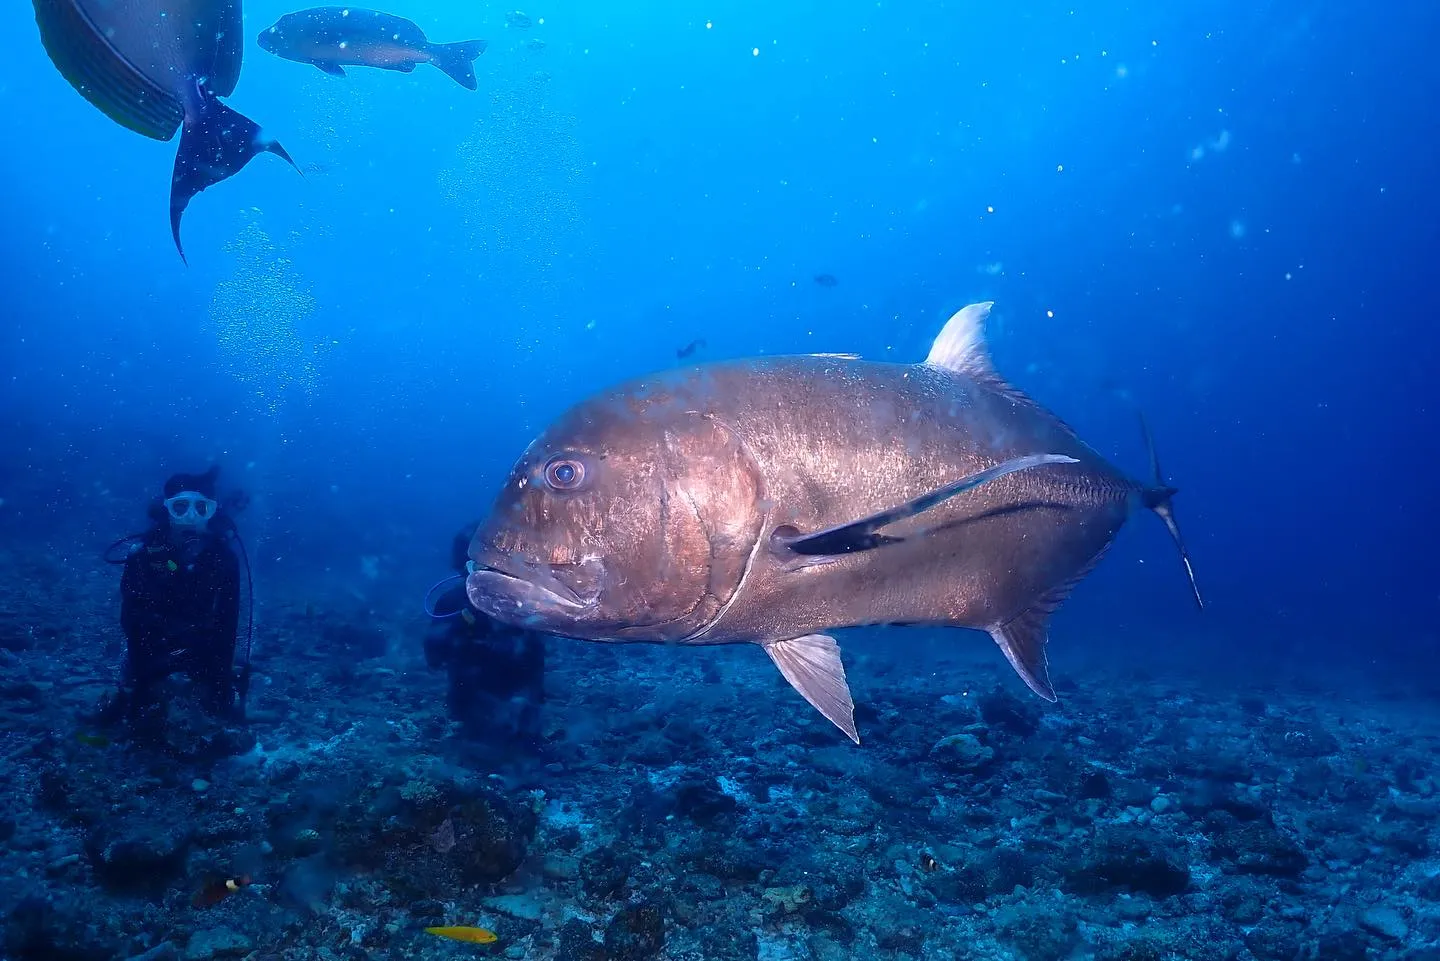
{"x":862,"y":534}
{"x":1022,"y":639}
{"x":812,"y":666}
{"x":333,"y":69}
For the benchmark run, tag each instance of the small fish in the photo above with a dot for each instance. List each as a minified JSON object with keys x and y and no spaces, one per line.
{"x":92,"y":740}
{"x":464,"y":933}
{"x":157,"y":66}
{"x":333,"y":37}
{"x":826,"y":280}
{"x":213,"y":892}
{"x":690,"y":348}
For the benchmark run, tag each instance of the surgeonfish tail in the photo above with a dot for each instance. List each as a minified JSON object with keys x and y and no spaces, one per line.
{"x":456,"y":59}
{"x":1158,"y":498}
{"x":214,"y":144}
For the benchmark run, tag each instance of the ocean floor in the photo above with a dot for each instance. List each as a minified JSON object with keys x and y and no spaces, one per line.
{"x":691,"y":806}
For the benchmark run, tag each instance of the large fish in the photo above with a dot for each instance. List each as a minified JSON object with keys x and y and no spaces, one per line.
{"x":155,"y":66}
{"x":336,"y":37}
{"x":768,"y":501}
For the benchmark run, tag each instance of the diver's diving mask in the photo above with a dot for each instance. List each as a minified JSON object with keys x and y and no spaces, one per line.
{"x":190,"y":509}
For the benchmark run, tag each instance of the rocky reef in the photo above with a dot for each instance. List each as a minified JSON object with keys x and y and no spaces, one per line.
{"x":690,"y":807}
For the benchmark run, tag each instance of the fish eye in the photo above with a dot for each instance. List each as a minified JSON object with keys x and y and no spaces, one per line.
{"x":564,"y":473}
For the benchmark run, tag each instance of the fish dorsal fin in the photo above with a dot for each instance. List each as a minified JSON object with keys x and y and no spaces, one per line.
{"x":812,"y":666}
{"x":961,"y":348}
{"x":961,"y":344}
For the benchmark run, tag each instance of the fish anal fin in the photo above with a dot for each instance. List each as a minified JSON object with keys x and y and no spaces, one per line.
{"x":812,"y":666}
{"x":1022,"y":639}
{"x":333,"y":69}
{"x":862,"y":534}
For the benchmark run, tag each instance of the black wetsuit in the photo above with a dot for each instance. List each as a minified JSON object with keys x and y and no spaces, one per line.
{"x":497,"y":678}
{"x":180,"y":610}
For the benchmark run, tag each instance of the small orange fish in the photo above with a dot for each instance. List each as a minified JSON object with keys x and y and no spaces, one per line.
{"x":464,"y":933}
{"x":213,"y":892}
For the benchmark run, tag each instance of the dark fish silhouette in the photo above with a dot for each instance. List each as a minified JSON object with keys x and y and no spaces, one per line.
{"x":770,"y":500}
{"x":690,"y":348}
{"x":826,"y":280}
{"x":157,"y":65}
{"x":335,"y":37}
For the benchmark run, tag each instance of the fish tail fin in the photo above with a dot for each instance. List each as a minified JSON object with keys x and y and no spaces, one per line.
{"x":1159,"y":498}
{"x":215,"y":143}
{"x":456,"y":58}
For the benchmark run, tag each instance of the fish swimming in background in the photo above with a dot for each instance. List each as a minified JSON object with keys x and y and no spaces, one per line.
{"x":770,"y":500}
{"x":826,"y":280}
{"x":464,"y":933}
{"x":682,"y":352}
{"x":336,"y":37}
{"x":156,"y":66}
{"x":214,"y":891}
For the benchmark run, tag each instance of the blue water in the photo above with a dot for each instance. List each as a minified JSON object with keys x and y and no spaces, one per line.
{"x":1225,"y":215}
{"x":1228,"y":211}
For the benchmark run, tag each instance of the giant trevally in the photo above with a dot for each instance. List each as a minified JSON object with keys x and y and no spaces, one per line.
{"x":770,"y":500}
{"x":156,"y":66}
{"x":336,"y":37}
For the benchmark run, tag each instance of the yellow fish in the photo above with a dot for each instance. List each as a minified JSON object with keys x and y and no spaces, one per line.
{"x":464,"y":933}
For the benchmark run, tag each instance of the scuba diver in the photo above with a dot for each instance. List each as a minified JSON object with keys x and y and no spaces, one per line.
{"x":496,"y":672}
{"x":180,"y":604}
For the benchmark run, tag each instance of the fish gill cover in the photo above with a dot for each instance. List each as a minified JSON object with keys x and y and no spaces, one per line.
{"x":577,"y":346}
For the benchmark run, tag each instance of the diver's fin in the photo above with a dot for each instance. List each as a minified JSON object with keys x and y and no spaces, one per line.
{"x":86,"y":57}
{"x":333,"y":69}
{"x":455,"y":60}
{"x":860,"y":535}
{"x":213,"y":145}
{"x":1022,"y":639}
{"x":1158,"y":499}
{"x":812,"y":666}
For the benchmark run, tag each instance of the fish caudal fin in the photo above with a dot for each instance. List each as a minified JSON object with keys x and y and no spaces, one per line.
{"x":1023,"y":639}
{"x":214,"y":145}
{"x":1159,"y":499}
{"x":812,"y":666}
{"x":455,"y":60}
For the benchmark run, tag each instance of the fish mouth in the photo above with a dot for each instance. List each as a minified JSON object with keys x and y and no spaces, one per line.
{"x":522,"y":594}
